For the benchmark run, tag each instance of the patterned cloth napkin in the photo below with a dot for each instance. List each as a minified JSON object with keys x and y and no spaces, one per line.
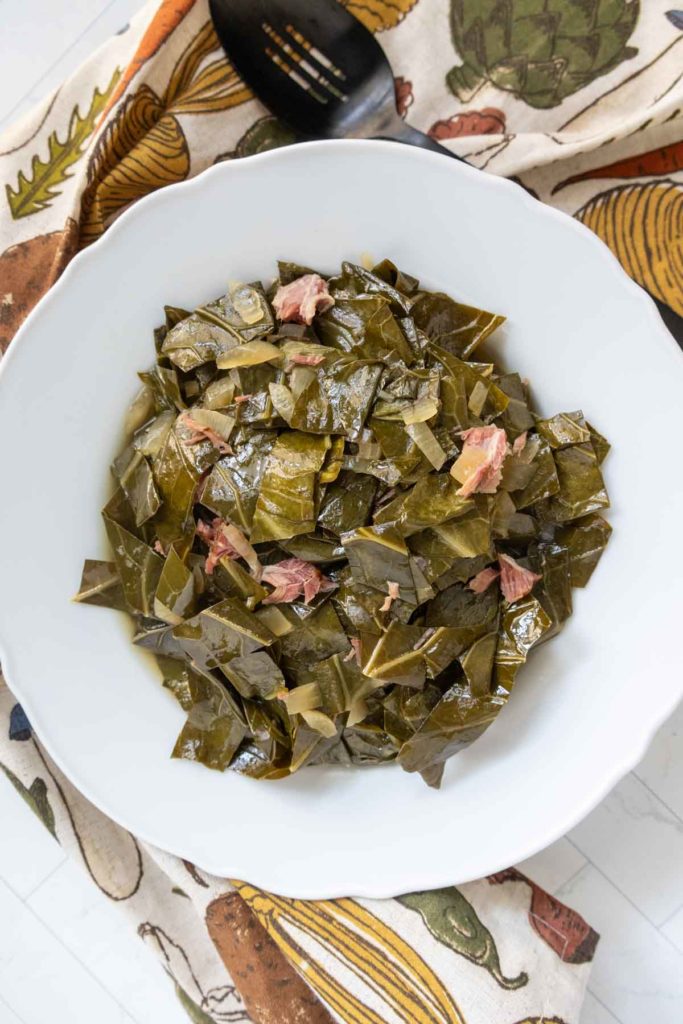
{"x":580,"y":101}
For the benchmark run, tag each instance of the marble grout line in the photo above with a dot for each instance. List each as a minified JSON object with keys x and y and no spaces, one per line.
{"x":567,"y":881}
{"x":3,"y":1002}
{"x":657,"y":927}
{"x":10,"y":113}
{"x":604,"y":1005}
{"x":656,"y":795}
{"x":670,"y":918}
{"x":61,"y":943}
{"x":48,"y":876}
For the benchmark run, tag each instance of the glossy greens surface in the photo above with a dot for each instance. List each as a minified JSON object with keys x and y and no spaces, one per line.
{"x":294,"y":534}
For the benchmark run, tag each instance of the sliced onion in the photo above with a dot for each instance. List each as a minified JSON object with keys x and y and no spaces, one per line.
{"x":248,"y":303}
{"x":219,"y":394}
{"x":301,"y":698}
{"x":319,"y":722}
{"x":305,"y":348}
{"x":300,"y":378}
{"x":421,"y":411}
{"x":250,"y":354}
{"x":478,"y":398}
{"x":368,"y":448}
{"x":283,"y":400}
{"x":427,"y":443}
{"x":357,"y":712}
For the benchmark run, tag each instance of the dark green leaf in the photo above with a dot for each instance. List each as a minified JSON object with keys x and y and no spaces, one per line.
{"x":582,"y":489}
{"x":233,"y":485}
{"x":601,"y":445}
{"x":101,"y":585}
{"x":452,"y":325}
{"x":378,"y":554}
{"x":215,"y":726}
{"x":517,"y":417}
{"x":176,"y":593}
{"x":287,"y":501}
{"x":220,"y":633}
{"x":431,"y":501}
{"x":457,"y":720}
{"x":347,"y":503}
{"x":585,"y":541}
{"x":138,"y":565}
{"x":317,"y":635}
{"x":134,"y":474}
{"x":523,"y":625}
{"x":566,"y":428}
{"x":255,"y":675}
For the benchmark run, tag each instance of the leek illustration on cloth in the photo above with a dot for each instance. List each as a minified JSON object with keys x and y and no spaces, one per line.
{"x":581,"y":103}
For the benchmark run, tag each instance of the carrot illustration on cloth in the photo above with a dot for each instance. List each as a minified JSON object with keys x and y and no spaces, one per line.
{"x":165,"y":21}
{"x":664,"y":160}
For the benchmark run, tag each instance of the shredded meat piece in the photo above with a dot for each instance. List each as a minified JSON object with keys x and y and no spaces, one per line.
{"x":355,"y":650}
{"x":483,"y":580}
{"x":515,"y":581}
{"x":202,"y":433}
{"x":299,"y":301}
{"x":394,"y":590}
{"x":242,"y":398}
{"x":293,"y":577}
{"x":519,"y":443}
{"x":485,"y":450}
{"x":159,"y":548}
{"x":301,"y":359}
{"x":226,"y":541}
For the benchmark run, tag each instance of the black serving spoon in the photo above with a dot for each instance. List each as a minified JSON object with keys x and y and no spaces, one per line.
{"x":316,"y":68}
{"x":323,"y":73}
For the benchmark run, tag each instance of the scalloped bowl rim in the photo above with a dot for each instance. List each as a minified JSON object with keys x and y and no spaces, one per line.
{"x":234,"y":864}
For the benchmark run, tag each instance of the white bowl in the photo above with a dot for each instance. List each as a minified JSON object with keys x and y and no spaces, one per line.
{"x":588,"y":702}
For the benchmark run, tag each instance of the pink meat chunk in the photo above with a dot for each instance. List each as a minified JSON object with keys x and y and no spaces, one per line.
{"x":202,"y":433}
{"x":392,"y":596}
{"x":515,"y":581}
{"x":519,"y":444}
{"x":293,"y":577}
{"x":485,"y":449}
{"x":299,"y":301}
{"x":226,"y":541}
{"x":483,"y":580}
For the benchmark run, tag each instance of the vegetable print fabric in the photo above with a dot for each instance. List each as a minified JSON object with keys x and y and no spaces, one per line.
{"x":580,"y":101}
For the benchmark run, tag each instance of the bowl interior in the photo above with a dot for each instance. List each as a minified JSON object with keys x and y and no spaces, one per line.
{"x":587,"y":338}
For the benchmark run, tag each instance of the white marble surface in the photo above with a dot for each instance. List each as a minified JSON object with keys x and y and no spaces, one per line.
{"x":65,"y":951}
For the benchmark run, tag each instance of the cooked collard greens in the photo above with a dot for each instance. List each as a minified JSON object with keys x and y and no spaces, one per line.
{"x":339,"y":533}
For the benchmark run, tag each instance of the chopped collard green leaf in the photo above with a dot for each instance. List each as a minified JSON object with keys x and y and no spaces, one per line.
{"x":338,"y":532}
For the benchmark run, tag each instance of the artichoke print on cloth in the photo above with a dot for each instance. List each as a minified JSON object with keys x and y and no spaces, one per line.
{"x":581,"y":101}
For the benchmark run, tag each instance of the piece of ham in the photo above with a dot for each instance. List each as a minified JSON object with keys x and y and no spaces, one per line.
{"x":299,"y":301}
{"x":479,"y":465}
{"x":301,"y":359}
{"x":515,"y":581}
{"x":159,"y":548}
{"x":293,"y":577}
{"x":483,"y":580}
{"x":242,"y":398}
{"x":355,"y":650}
{"x":394,"y":590}
{"x":201,"y":433}
{"x":226,"y":541}
{"x":519,"y":444}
